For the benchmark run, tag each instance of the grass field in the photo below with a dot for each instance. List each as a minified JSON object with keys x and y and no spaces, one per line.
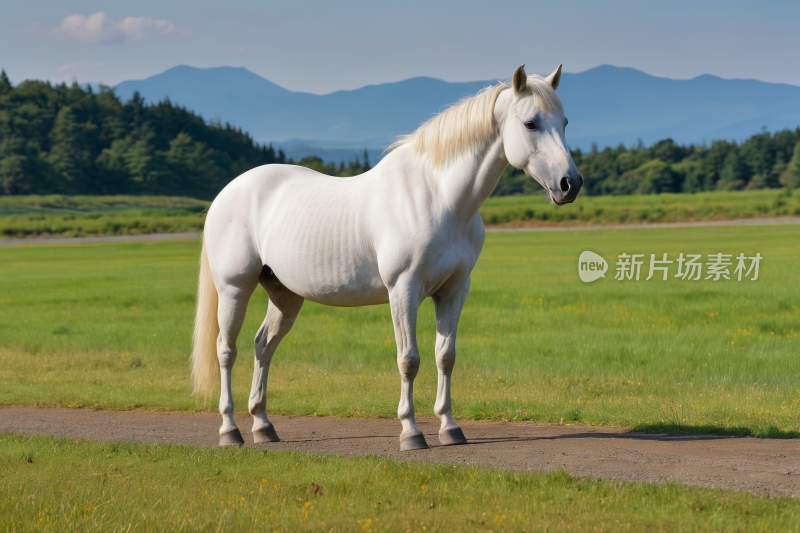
{"x":73,"y":485}
{"x":535,"y":211}
{"x":109,"y":326}
{"x":71,"y":216}
{"x":78,"y":216}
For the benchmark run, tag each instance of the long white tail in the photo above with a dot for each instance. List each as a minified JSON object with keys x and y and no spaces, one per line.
{"x":205,"y":365}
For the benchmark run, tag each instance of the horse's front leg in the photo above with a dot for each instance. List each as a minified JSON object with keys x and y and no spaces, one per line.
{"x":448,"y":312}
{"x":404,"y":301}
{"x":284,"y":306}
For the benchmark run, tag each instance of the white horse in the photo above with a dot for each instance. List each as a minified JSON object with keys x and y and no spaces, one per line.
{"x":406,"y":230}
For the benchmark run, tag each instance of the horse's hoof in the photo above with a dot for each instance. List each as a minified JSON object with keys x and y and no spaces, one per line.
{"x":450,"y":437}
{"x":232,"y":437}
{"x":265,"y":433}
{"x":413,"y":442}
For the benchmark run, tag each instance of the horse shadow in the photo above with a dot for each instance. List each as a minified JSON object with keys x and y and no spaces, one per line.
{"x":660,"y":433}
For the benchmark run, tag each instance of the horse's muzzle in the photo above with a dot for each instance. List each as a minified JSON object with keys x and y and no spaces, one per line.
{"x":569,"y":187}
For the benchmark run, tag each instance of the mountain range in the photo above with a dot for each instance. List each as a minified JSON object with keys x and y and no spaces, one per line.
{"x":606,"y":105}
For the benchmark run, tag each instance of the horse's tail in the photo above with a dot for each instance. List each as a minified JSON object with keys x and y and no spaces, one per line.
{"x":205,"y":365}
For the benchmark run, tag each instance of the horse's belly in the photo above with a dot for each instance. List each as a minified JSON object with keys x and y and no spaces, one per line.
{"x":337,"y":287}
{"x":319,"y":254}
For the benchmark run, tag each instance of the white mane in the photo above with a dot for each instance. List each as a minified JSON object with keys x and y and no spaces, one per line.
{"x":469,"y":123}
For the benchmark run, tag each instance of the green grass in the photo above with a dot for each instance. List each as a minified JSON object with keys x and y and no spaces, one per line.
{"x":79,"y":216}
{"x":75,"y":216}
{"x":96,"y":203}
{"x":51,"y":484}
{"x":536,"y":211}
{"x":108,"y":326}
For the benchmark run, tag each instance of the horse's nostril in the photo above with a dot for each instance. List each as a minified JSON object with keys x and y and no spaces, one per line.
{"x":564,"y":184}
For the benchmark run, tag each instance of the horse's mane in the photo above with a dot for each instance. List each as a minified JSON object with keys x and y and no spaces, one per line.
{"x":469,"y":123}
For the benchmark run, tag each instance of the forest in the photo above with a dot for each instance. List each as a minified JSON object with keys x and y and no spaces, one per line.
{"x":60,"y":139}
{"x":69,"y":139}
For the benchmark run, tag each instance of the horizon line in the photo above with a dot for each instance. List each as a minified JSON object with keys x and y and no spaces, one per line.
{"x":99,"y":83}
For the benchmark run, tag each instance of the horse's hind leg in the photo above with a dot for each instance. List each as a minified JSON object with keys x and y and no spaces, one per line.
{"x":231,"y":312}
{"x":284,"y":306}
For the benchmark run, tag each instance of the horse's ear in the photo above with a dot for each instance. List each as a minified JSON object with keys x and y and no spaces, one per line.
{"x":520,"y":80}
{"x":555,"y":78}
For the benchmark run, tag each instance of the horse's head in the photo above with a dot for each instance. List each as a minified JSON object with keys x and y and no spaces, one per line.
{"x":533,"y":135}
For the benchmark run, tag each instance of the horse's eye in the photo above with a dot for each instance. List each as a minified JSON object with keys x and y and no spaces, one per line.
{"x":531,"y":124}
{"x":567,"y":123}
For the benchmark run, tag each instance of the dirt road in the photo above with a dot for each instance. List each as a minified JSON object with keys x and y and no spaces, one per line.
{"x":756,"y":465}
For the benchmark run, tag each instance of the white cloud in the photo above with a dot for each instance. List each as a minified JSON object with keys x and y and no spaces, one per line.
{"x":79,"y":64}
{"x":101,"y":29}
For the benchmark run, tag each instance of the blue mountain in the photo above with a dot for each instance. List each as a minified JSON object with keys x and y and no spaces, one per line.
{"x":606,"y":105}
{"x":611,"y":105}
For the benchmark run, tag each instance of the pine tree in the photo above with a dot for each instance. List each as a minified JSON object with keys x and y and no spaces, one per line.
{"x":5,"y":83}
{"x":13,"y":176}
{"x":792,"y":174}
{"x":68,"y":157}
{"x":732,"y":175}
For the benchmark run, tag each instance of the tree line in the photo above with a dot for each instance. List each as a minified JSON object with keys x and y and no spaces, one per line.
{"x":353,"y":168}
{"x":68,"y":139}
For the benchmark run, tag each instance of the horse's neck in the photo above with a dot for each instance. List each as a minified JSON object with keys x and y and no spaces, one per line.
{"x":466,"y":183}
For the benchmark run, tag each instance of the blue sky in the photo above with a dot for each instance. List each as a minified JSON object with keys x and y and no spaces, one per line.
{"x":321,"y":47}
